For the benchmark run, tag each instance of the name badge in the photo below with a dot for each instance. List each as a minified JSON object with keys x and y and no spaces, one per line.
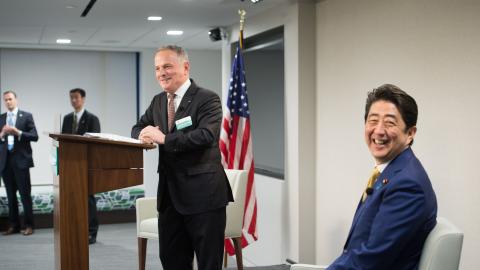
{"x":183,"y":123}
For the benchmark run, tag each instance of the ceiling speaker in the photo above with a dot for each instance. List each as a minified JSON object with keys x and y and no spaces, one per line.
{"x":215,"y":34}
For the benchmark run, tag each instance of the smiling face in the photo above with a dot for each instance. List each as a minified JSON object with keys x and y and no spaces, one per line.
{"x":171,"y":71}
{"x":385,"y":131}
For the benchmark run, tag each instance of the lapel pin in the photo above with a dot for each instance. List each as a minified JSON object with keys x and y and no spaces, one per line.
{"x":385,"y":181}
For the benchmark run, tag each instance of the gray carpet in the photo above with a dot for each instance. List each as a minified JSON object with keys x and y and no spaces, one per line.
{"x":116,"y":249}
{"x":273,"y":267}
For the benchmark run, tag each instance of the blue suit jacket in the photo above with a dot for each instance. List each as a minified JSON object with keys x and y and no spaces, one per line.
{"x":22,"y":151}
{"x":389,"y":229}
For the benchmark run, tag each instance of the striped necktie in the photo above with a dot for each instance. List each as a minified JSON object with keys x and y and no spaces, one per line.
{"x":171,"y":111}
{"x":371,"y":181}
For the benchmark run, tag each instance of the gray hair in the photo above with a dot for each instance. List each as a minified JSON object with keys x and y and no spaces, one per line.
{"x":181,"y":53}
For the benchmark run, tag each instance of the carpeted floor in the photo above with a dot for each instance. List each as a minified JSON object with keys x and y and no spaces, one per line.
{"x":116,"y":249}
{"x":273,"y":267}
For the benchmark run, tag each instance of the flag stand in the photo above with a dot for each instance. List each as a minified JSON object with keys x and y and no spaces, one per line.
{"x":237,"y":149}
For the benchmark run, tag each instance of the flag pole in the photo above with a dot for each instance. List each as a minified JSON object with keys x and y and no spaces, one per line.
{"x":236,"y":122}
{"x":242,"y":14}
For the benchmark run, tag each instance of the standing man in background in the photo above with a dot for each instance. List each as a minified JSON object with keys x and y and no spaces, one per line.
{"x":398,"y":209}
{"x":17,"y":130}
{"x":193,"y":190}
{"x":79,"y":122}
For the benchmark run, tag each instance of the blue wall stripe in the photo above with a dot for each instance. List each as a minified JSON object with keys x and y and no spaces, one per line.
{"x":137,"y":62}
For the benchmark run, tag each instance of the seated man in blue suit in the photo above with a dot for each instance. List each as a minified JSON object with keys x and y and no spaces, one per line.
{"x":398,"y":208}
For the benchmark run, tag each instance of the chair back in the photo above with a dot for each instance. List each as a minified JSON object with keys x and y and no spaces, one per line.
{"x":443,"y":247}
{"x":147,"y":219}
{"x":238,"y":183}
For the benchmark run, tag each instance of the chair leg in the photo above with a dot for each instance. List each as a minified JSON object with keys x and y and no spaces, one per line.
{"x":238,"y":252}
{"x":225,"y":258}
{"x":142,"y":252}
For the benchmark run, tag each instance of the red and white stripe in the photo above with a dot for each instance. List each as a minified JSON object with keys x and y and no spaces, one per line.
{"x":236,"y":149}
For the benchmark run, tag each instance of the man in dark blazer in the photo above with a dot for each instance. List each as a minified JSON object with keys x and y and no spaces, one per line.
{"x":17,"y":130}
{"x":193,"y":190}
{"x":79,"y":122}
{"x":398,"y":208}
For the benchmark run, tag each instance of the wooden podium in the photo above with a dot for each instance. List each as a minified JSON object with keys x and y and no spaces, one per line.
{"x":86,"y":166}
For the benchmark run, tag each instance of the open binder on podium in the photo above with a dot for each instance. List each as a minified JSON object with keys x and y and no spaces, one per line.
{"x":112,"y":137}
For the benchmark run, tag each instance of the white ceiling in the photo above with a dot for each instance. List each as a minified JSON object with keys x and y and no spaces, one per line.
{"x":119,"y":24}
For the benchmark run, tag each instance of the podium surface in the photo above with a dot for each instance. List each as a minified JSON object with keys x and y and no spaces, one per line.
{"x":87,"y":165}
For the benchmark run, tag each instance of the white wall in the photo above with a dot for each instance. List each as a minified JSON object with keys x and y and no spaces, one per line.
{"x":430,"y":49}
{"x":42,"y":80}
{"x":298,"y":20}
{"x":270,"y":247}
{"x":148,"y":89}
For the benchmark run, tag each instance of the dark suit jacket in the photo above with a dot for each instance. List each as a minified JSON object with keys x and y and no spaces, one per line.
{"x":189,"y":161}
{"x":390,"y":227}
{"x":88,"y":123}
{"x":22,"y":150}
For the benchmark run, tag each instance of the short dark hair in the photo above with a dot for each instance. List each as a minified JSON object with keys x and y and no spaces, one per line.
{"x":10,"y":92}
{"x":405,"y":104}
{"x":80,"y":91}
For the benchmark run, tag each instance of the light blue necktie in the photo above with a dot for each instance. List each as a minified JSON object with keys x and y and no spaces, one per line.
{"x":10,"y":123}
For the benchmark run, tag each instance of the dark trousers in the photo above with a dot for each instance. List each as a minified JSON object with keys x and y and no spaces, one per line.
{"x":92,"y":216}
{"x":18,"y":180}
{"x":181,"y":236}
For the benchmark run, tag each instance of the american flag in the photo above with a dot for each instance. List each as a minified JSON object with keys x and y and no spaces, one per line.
{"x":236,"y":146}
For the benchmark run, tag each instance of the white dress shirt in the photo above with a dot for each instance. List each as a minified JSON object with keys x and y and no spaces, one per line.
{"x":180,"y":93}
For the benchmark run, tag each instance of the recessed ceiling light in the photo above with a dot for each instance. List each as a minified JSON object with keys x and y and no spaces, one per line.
{"x":63,"y":41}
{"x":154,"y":18}
{"x":174,"y":33}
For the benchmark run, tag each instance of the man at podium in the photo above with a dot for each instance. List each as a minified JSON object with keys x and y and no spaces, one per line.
{"x":79,"y":122}
{"x":193,"y":190}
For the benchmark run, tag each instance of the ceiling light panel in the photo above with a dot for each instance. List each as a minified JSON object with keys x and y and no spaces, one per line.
{"x":78,"y":35}
{"x":63,"y":41}
{"x":154,"y":18}
{"x":174,"y":32}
